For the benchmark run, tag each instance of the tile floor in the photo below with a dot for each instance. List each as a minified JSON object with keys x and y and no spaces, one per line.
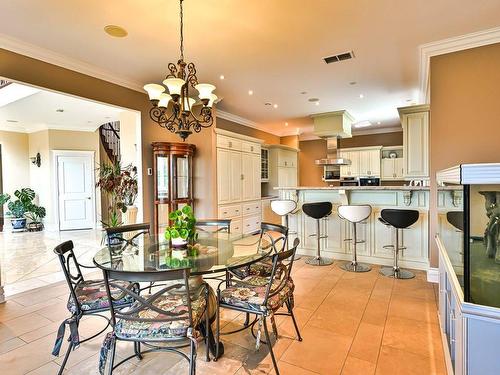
{"x":28,"y":262}
{"x":351,"y":324}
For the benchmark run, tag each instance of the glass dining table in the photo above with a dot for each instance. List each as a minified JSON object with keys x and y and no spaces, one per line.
{"x":210,"y":256}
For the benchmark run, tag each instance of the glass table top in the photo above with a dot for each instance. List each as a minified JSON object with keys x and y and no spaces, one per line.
{"x":212,"y":252}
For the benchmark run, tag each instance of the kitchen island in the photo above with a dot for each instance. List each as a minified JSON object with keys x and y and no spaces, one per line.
{"x":374,"y":234}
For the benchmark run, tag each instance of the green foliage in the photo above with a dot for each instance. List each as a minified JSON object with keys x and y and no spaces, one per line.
{"x":4,"y":198}
{"x":23,"y":206}
{"x":183,"y":224}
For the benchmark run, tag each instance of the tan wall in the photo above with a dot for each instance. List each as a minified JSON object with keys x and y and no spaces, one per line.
{"x":290,"y":140}
{"x":41,"y":179}
{"x":310,"y":174}
{"x":15,"y":161}
{"x":38,"y":73}
{"x":465,"y":115}
{"x":268,"y":138}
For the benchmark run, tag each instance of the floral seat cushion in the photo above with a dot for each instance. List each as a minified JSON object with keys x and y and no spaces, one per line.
{"x":158,"y":330}
{"x":92,"y":296}
{"x":251,"y":295}
{"x":262,"y":268}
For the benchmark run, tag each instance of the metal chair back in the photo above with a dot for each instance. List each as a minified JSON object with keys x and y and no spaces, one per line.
{"x":71,"y":268}
{"x":178,"y":283}
{"x":276,"y":234}
{"x":281,"y":272}
{"x":214,"y":225}
{"x":142,"y":228}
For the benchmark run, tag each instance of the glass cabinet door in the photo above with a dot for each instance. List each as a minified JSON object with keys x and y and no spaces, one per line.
{"x":182,"y":178}
{"x":162,"y":177}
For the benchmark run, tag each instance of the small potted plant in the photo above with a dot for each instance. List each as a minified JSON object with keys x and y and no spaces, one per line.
{"x":182,"y":229}
{"x":35,"y":214}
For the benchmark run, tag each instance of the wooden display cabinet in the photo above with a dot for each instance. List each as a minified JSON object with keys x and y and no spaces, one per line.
{"x":173,"y":180}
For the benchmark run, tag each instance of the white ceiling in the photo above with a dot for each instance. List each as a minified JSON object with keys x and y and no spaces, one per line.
{"x":37,"y":110}
{"x":274,"y":48}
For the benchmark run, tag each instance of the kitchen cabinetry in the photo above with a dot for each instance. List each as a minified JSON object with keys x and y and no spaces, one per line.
{"x":283,"y":162}
{"x":392,"y":163}
{"x":264,"y":164}
{"x":365,"y":162}
{"x":415,"y":123}
{"x":238,"y":181}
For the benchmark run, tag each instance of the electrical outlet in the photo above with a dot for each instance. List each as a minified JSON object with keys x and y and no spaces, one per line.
{"x":150,"y":171}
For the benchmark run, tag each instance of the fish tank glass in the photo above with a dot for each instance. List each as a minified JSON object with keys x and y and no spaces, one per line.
{"x":470,"y":231}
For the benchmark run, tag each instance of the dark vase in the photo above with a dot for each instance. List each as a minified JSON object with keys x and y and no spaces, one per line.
{"x":35,"y":227}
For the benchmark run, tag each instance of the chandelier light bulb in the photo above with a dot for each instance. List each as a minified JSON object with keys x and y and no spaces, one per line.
{"x":154,"y":91}
{"x":164,"y":99}
{"x":204,"y":90}
{"x":174,"y":86}
{"x":213,"y":98}
{"x":188,"y":104}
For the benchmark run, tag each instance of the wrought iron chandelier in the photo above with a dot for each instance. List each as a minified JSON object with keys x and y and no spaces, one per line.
{"x":175,"y":111}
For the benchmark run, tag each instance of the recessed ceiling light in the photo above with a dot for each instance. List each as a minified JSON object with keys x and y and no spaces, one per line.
{"x":303,"y":92}
{"x":60,"y":110}
{"x":90,"y":122}
{"x":317,"y":103}
{"x":408,"y":100}
{"x":275,"y":105}
{"x":107,"y":117}
{"x":221,"y":76}
{"x":267,"y":103}
{"x":250,"y":92}
{"x":312,"y":100}
{"x":352,"y":83}
{"x":378,"y":122}
{"x":286,"y":123}
{"x":361,"y":96}
{"x":362,"y":124}
{"x":11,"y":120}
{"x":115,"y":31}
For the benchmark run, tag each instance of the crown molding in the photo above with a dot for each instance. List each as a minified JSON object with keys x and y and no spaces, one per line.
{"x":242,"y":121}
{"x":394,"y":129}
{"x":42,"y":127}
{"x":51,"y":57}
{"x":454,"y":44}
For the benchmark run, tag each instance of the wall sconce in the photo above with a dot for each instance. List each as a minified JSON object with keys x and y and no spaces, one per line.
{"x":37,"y":160}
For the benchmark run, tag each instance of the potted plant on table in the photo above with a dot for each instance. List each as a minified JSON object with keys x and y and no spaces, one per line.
{"x":183,"y":227}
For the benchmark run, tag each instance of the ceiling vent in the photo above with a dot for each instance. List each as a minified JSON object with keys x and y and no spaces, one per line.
{"x":339,"y":57}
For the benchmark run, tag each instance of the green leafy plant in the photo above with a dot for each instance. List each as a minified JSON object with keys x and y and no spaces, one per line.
{"x":24,"y":201}
{"x":4,"y":198}
{"x":35,"y":213}
{"x":183,"y":224}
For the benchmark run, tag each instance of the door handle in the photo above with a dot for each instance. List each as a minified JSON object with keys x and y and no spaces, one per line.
{"x":89,"y":198}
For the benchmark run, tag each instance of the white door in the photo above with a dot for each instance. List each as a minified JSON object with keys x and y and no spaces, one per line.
{"x":223,"y":175}
{"x":236,"y":176}
{"x":76,"y":192}
{"x":247,"y":188}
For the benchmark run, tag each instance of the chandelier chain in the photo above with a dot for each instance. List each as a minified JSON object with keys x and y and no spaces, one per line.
{"x":182,"y":30}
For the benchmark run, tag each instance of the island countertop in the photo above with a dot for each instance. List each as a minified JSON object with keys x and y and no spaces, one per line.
{"x":402,"y":188}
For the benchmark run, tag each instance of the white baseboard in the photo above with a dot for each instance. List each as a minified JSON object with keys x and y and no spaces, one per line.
{"x":433,"y":275}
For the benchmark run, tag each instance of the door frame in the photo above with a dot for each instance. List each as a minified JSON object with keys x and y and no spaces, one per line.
{"x":55,"y":167}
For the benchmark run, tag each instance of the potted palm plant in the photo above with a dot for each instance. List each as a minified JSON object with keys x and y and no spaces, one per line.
{"x":23,"y":208}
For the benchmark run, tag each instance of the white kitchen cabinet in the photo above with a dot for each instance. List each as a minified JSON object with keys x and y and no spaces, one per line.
{"x":283,"y":161}
{"x":415,"y":123}
{"x":392,"y":169}
{"x":351,"y":170}
{"x":238,"y":181}
{"x":365,"y":162}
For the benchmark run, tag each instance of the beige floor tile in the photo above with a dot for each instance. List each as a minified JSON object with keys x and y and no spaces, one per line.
{"x":321,"y":352}
{"x":413,"y":336}
{"x":356,"y":366}
{"x":399,"y":362}
{"x":329,"y":319}
{"x":24,"y":324}
{"x":50,"y":368}
{"x":376,"y":312}
{"x":288,"y":369}
{"x":413,"y":308}
{"x":7,"y":346}
{"x":26,"y":358}
{"x":366,"y":344}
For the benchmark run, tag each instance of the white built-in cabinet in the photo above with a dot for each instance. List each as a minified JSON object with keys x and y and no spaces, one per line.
{"x":415,"y":123}
{"x":238,"y":181}
{"x":365,"y":162}
{"x":392,"y":163}
{"x":283,"y":166}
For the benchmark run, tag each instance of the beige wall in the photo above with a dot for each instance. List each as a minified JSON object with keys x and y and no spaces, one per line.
{"x":290,"y":140}
{"x":15,"y":161}
{"x":465,"y":115}
{"x":268,"y":138}
{"x":41,"y":179}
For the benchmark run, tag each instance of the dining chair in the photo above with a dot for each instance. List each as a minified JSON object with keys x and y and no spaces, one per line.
{"x":116,"y":233}
{"x":214,"y":225}
{"x":87,"y":297}
{"x":166,"y":320}
{"x":262,"y":296}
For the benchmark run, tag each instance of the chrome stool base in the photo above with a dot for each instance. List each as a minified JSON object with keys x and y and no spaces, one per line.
{"x":315,"y":261}
{"x":397,"y":273}
{"x":355,"y":267}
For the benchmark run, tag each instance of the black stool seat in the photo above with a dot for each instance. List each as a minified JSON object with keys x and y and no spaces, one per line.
{"x":317,"y":210}
{"x":399,"y":218}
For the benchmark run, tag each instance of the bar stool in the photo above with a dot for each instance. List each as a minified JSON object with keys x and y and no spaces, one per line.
{"x":355,"y":214}
{"x":399,"y":220}
{"x":283,"y":208}
{"x":318,"y":211}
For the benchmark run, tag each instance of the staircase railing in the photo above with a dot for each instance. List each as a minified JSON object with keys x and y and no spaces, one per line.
{"x":110,"y":140}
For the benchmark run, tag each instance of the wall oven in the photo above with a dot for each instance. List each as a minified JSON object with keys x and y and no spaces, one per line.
{"x":349,"y":181}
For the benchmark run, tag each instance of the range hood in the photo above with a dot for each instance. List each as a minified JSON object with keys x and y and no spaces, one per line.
{"x":332,"y":126}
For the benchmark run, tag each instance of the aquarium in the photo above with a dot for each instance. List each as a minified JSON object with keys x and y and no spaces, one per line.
{"x":470,"y":231}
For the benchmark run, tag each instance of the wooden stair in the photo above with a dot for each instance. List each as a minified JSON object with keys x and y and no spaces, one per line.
{"x":110,"y":140}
